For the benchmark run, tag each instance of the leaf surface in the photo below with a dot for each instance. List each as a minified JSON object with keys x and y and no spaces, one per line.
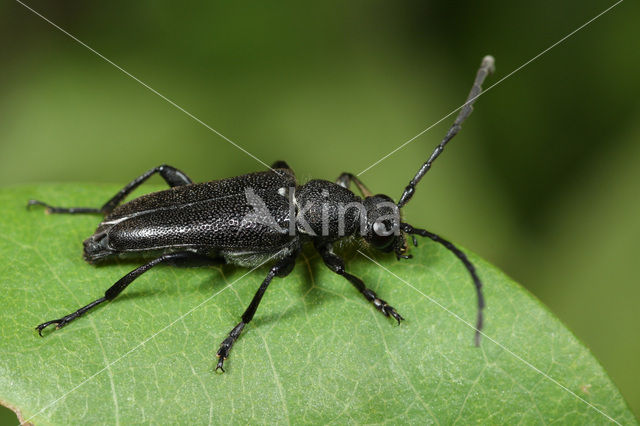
{"x":316,"y":351}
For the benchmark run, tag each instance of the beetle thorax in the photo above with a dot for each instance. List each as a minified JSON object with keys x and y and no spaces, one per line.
{"x":324,"y":209}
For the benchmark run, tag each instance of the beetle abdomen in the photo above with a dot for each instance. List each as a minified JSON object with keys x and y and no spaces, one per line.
{"x":96,"y":247}
{"x":231,"y":221}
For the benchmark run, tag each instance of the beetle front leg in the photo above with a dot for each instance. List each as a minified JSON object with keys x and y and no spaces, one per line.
{"x":345,"y":180}
{"x":171,"y":175}
{"x":336,"y":264}
{"x":280,"y":269}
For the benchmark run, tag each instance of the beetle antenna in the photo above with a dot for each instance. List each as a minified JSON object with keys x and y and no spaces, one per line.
{"x":486,"y":67}
{"x":467,"y":263}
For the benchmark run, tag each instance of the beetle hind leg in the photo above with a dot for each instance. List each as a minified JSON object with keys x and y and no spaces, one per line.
{"x":189,"y":258}
{"x":61,"y":322}
{"x":171,"y":175}
{"x":69,"y":210}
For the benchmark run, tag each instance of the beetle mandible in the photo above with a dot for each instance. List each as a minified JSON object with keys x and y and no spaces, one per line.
{"x":250,"y":219}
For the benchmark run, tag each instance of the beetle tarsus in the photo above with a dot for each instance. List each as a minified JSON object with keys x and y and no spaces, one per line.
{"x":404,"y":256}
{"x":60,"y":322}
{"x":45,"y":325}
{"x":387,"y":310}
{"x":47,"y":207}
{"x":392,"y":312}
{"x":221,"y":360}
{"x":69,"y":210}
{"x":227,"y":344}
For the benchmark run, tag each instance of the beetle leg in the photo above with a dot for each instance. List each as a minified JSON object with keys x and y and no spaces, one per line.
{"x":61,"y":322}
{"x":336,"y":264}
{"x":280,"y":269}
{"x":122,"y":283}
{"x":345,"y":180}
{"x":281,"y":165}
{"x":171,"y":175}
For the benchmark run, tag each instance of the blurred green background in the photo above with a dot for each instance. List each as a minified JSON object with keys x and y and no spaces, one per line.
{"x":543,"y":180}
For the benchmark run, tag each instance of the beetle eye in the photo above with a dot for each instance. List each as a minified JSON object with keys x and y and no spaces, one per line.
{"x":380,"y":229}
{"x":381,"y":235}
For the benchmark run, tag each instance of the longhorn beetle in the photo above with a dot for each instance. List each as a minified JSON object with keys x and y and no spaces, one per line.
{"x":251,"y":219}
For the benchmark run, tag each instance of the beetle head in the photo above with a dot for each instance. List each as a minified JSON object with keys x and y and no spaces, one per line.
{"x":383,"y":227}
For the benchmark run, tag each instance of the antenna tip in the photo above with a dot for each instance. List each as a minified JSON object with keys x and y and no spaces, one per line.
{"x":488,"y":62}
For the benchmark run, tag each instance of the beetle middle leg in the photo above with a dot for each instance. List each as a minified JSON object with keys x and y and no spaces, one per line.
{"x":112,"y":292}
{"x":171,"y":175}
{"x":345,"y":180}
{"x":336,"y":264}
{"x":281,"y":269}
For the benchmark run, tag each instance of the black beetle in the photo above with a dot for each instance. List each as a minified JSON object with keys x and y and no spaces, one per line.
{"x":251,"y":219}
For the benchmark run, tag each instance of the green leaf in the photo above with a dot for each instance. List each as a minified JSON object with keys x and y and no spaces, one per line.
{"x":315,"y":352}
